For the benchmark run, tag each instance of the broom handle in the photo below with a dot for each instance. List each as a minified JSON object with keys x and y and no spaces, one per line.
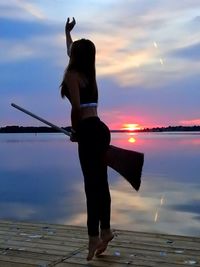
{"x":41,"y":119}
{"x":116,"y":157}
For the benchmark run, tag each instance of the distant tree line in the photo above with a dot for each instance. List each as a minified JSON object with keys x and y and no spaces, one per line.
{"x":172,"y":129}
{"x":43,"y":129}
{"x":29,"y":129}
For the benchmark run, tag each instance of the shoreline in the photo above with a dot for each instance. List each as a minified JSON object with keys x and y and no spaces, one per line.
{"x":44,"y":129}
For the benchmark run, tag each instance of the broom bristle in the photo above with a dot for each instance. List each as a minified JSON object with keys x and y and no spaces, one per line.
{"x":126,"y":162}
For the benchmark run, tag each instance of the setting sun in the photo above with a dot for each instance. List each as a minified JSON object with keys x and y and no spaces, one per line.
{"x":131,"y":126}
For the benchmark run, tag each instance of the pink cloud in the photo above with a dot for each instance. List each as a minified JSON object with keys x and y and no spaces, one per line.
{"x":190,"y":122}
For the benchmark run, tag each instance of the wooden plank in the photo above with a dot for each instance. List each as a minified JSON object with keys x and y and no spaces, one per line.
{"x":125,"y":236}
{"x":134,"y":239}
{"x":22,"y":260}
{"x":153,"y":247}
{"x":28,"y":254}
{"x":43,"y":229}
{"x":43,"y":236}
{"x":33,"y":244}
{"x":38,"y":224}
{"x":72,"y":264}
{"x":187,"y":247}
{"x":136,"y":257}
{"x":37,"y":239}
{"x":41,"y":244}
{"x":16,"y":264}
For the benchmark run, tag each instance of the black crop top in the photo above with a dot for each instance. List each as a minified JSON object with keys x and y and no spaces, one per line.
{"x":85,"y":94}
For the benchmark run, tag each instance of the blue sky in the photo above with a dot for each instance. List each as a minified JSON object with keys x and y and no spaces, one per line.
{"x":148,"y":59}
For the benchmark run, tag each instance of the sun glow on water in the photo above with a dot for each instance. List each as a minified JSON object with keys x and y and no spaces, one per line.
{"x":132,"y":140}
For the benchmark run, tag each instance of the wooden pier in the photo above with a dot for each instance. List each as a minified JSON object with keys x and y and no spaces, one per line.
{"x":46,"y":245}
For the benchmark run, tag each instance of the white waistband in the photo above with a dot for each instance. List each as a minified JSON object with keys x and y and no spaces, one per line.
{"x":88,"y":105}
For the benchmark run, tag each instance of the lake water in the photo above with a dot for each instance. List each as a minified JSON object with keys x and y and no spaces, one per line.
{"x":41,"y":180}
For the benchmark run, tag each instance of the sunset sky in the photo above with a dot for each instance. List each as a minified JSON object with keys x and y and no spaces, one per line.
{"x":148,"y":59}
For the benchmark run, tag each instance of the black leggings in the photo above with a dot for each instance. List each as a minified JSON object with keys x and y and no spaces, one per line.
{"x":93,"y":142}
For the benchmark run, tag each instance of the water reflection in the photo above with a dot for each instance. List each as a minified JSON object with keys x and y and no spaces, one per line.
{"x":152,"y":211}
{"x":159,"y":208}
{"x":41,"y":180}
{"x":131,"y":140}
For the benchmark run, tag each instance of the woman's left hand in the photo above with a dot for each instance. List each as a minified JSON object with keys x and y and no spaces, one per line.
{"x":70,"y":25}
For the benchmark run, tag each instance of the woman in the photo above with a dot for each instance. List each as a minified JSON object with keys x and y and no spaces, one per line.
{"x":93,"y":137}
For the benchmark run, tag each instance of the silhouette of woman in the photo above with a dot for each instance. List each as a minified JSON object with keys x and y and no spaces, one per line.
{"x":93,"y":136}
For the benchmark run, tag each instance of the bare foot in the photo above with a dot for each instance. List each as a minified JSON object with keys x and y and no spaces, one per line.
{"x":94,"y":244}
{"x":106,"y":236}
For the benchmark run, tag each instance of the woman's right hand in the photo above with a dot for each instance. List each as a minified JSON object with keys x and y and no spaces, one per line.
{"x":73,"y":136}
{"x":69,"y":25}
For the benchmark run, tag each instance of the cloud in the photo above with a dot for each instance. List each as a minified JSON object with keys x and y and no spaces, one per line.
{"x":128,"y":54}
{"x":31,"y":9}
{"x":192,"y":206}
{"x":190,"y":122}
{"x":20,"y":9}
{"x":14,"y":29}
{"x":17,"y":52}
{"x":21,"y":211}
{"x":190,"y":52}
{"x":197,"y":19}
{"x":29,"y":40}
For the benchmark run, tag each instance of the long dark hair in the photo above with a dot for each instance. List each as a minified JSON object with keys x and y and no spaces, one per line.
{"x":82,"y":60}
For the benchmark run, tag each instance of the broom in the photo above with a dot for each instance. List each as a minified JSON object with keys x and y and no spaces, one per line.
{"x":126,"y":162}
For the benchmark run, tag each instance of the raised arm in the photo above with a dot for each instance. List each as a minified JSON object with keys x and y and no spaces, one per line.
{"x":68,"y":28}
